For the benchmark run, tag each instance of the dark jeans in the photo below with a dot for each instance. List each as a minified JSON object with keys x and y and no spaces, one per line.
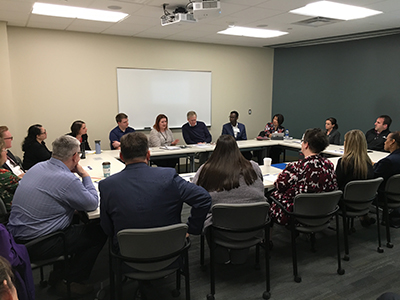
{"x":84,"y":243}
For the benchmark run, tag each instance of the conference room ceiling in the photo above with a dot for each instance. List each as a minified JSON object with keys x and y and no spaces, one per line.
{"x":144,"y":20}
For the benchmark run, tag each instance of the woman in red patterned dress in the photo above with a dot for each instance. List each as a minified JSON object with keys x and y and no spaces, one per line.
{"x":313,"y":174}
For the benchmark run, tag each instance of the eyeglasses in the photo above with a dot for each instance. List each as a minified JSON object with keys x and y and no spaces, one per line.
{"x":44,"y":132}
{"x":8,"y":138}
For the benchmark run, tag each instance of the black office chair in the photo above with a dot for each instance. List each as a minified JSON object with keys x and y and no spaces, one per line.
{"x":39,"y":264}
{"x":151,"y":253}
{"x":312,"y":213}
{"x":357,"y":198}
{"x":238,"y":226}
{"x":391,"y":200}
{"x":4,"y":215}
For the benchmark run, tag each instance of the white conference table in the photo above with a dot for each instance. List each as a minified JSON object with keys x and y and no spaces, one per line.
{"x":93,"y":165}
{"x":93,"y":162}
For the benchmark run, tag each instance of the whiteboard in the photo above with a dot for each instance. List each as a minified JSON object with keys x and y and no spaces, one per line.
{"x":145,"y":93}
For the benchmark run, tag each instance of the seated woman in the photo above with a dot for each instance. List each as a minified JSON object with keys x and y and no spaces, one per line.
{"x":332,"y":132}
{"x":161,"y":135}
{"x":313,"y":174}
{"x":8,"y":181}
{"x":274,"y":126}
{"x":355,"y":164}
{"x":79,"y":131}
{"x":230,"y":178}
{"x":34,"y":147}
{"x":270,"y":128}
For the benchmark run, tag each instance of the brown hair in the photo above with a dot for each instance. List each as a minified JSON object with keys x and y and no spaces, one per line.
{"x":134,"y":145}
{"x":317,"y":140}
{"x":156,"y":125}
{"x":2,"y":130}
{"x":120,"y":117}
{"x":76,"y":127}
{"x":225,"y":166}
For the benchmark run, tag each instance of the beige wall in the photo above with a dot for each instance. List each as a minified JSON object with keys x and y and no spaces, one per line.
{"x":58,"y":77}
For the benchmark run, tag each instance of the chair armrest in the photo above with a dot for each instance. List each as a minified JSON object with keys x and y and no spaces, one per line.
{"x":281,"y":206}
{"x":38,"y":240}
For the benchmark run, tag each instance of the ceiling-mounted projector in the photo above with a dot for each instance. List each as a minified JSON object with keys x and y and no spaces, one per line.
{"x":206,"y":9}
{"x":177,"y":18}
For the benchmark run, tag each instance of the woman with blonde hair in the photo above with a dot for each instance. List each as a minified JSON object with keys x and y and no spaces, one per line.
{"x":355,"y":164}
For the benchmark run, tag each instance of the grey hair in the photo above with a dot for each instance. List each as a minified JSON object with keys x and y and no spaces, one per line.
{"x":65,"y":147}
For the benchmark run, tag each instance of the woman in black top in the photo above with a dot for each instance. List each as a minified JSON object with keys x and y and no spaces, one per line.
{"x":355,"y":164}
{"x":79,"y":131}
{"x":332,"y":132}
{"x":34,"y":147}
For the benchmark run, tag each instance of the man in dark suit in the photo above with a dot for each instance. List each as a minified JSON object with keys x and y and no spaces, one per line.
{"x":390,"y":165}
{"x":141,"y":196}
{"x":13,"y":164}
{"x":237,"y":130}
{"x":376,"y":136}
{"x":234,"y":128}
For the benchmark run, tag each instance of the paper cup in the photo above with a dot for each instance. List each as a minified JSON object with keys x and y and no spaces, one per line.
{"x":267,"y":161}
{"x":106,"y":169}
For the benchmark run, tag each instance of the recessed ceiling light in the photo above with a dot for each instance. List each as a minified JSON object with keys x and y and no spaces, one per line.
{"x":77,"y":12}
{"x":335,"y":10}
{"x":252,"y":32}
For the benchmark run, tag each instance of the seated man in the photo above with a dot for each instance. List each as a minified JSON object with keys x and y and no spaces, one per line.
{"x":196,"y":132}
{"x":376,"y":136}
{"x":118,"y":132}
{"x":144,"y":197}
{"x":237,"y":130}
{"x":234,"y":128}
{"x":12,"y":164}
{"x":45,"y":202}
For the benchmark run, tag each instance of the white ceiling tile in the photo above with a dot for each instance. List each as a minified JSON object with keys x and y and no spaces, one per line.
{"x":144,"y":20}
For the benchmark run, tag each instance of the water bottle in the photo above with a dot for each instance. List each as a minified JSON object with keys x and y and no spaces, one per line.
{"x":97,"y":146}
{"x":83,"y":153}
{"x":286,"y":134}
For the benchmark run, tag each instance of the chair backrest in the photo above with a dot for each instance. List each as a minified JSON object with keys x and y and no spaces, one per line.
{"x":240,"y":217}
{"x":315,"y":209}
{"x":3,"y":212}
{"x":358,"y":194}
{"x":392,"y":188}
{"x":152,"y":243}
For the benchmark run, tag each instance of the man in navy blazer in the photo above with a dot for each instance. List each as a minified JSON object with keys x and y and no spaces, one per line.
{"x":141,"y":196}
{"x":237,"y":130}
{"x":234,"y":128}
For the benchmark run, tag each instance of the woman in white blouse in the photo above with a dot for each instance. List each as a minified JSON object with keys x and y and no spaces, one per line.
{"x":159,"y":136}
